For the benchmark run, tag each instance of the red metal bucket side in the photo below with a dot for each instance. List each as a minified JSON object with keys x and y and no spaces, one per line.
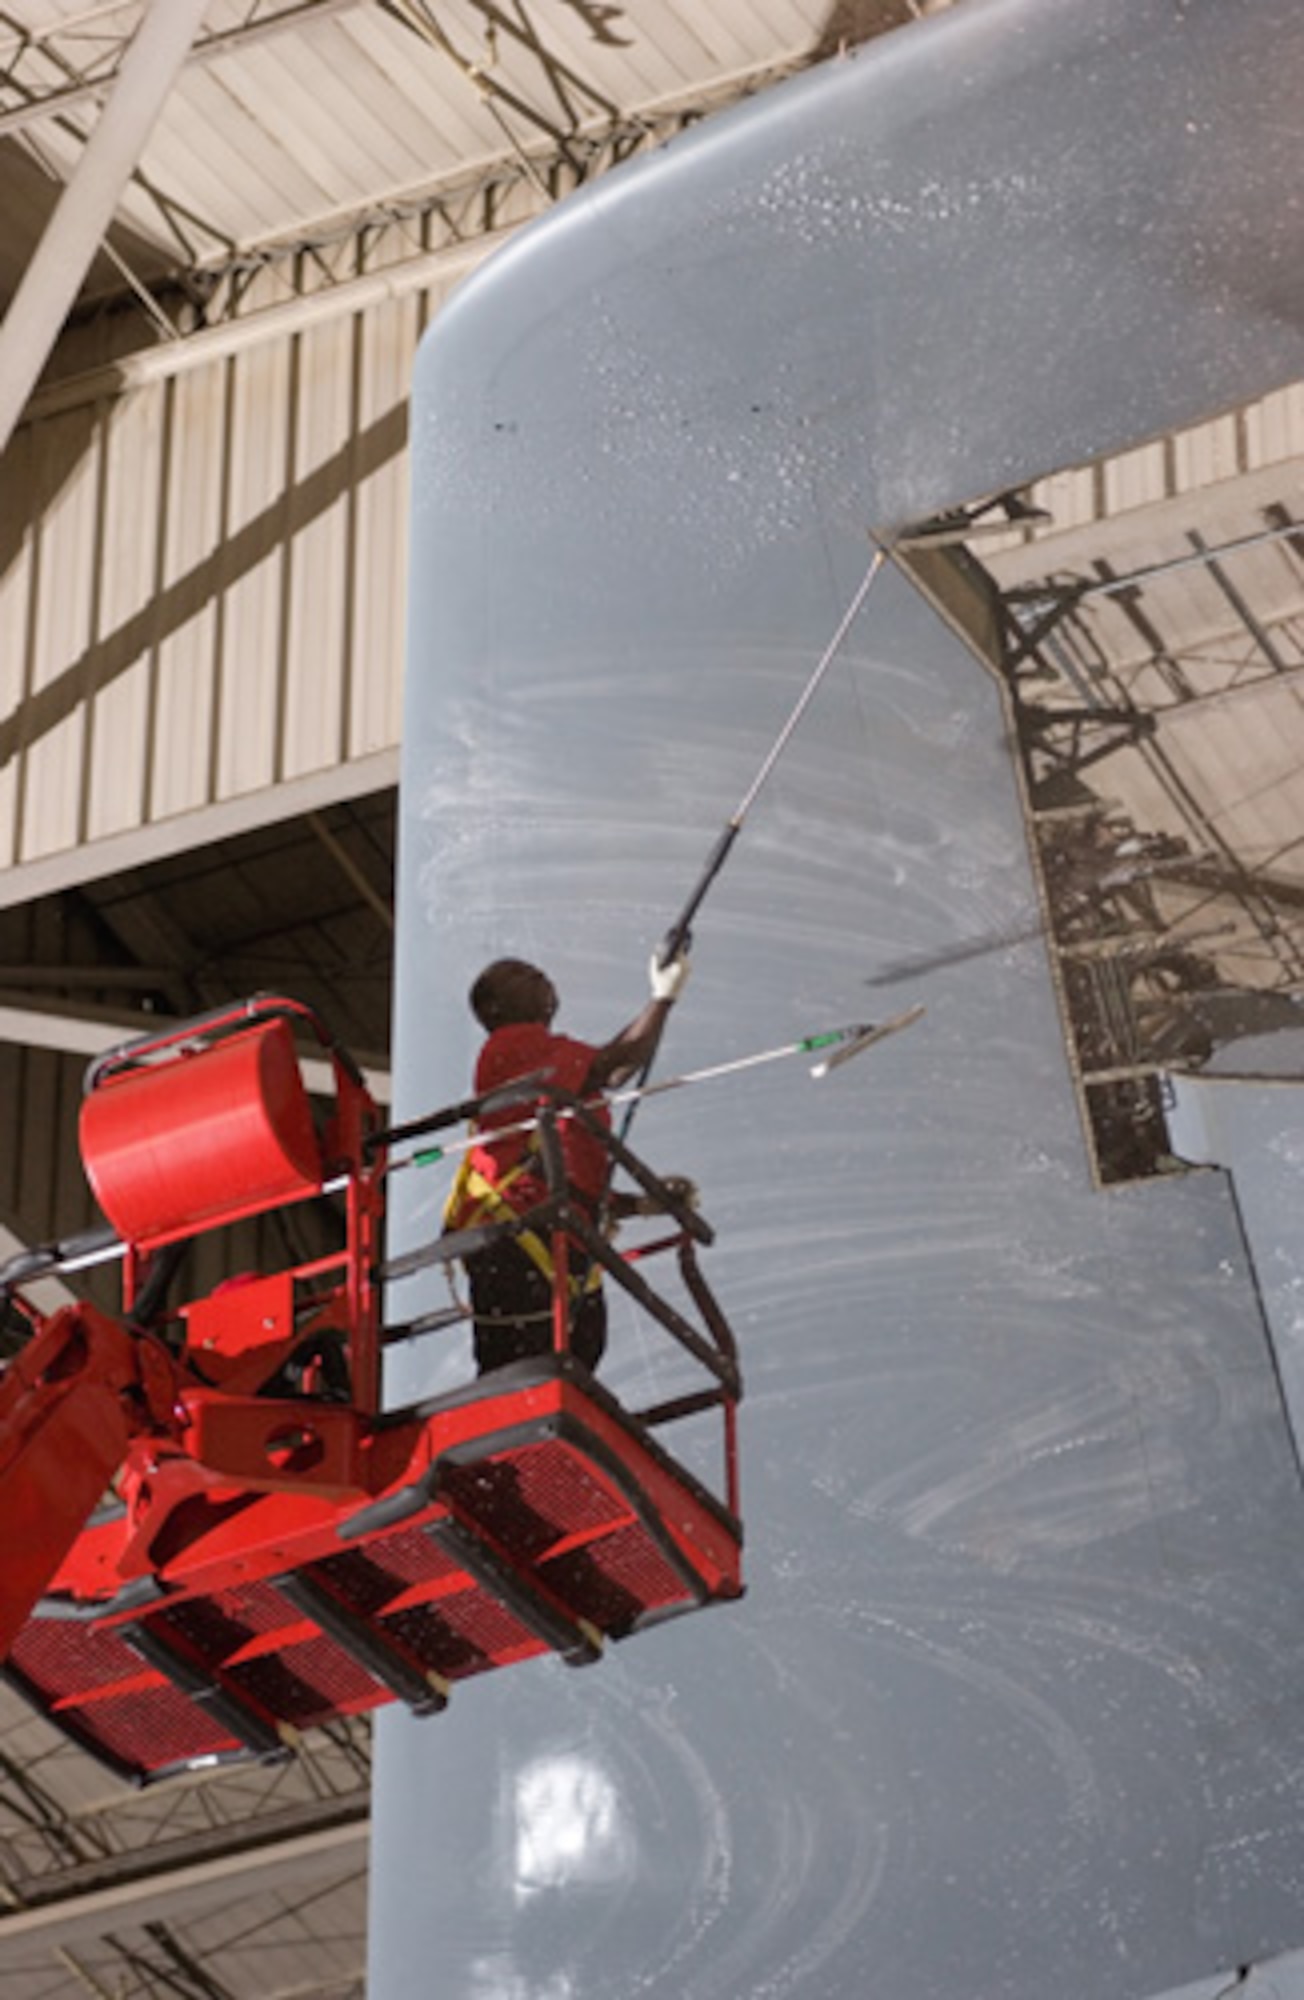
{"x":202,"y":1139}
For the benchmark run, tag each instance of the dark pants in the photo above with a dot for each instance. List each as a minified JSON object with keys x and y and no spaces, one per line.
{"x":511,"y":1302}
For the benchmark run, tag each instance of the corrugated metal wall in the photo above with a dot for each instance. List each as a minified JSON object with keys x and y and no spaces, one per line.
{"x":224,"y":648}
{"x":202,"y":593}
{"x":1266,"y":433}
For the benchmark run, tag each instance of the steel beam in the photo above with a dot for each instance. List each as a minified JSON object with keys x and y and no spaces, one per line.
{"x":168,"y":1883}
{"x":140,"y":846}
{"x":38,"y":106}
{"x":48,"y":1294}
{"x":349,"y":295}
{"x":63,"y":257}
{"x":87,"y":1035}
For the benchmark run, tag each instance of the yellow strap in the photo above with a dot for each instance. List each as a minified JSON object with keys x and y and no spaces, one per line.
{"x":474,"y":1187}
{"x":488,"y":1199}
{"x":457,"y":1195}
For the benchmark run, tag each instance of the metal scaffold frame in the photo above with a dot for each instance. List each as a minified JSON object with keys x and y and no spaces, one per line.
{"x":1153,"y":918}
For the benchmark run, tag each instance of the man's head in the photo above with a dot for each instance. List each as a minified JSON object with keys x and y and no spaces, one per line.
{"x":510,"y":992}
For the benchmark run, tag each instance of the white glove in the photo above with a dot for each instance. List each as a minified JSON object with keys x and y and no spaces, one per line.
{"x":668,"y":980}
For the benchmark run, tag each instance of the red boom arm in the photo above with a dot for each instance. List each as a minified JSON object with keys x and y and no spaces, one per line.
{"x":70,"y":1404}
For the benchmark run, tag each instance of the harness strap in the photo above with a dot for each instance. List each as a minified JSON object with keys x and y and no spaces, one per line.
{"x":488,"y":1203}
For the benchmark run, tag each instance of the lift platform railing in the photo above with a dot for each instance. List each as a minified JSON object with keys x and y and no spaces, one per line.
{"x":569,"y":1227}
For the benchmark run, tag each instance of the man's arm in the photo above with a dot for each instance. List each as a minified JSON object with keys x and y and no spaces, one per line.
{"x":634,"y":1047}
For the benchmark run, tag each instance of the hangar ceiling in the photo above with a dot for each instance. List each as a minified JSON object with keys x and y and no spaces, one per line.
{"x":1151,"y":634}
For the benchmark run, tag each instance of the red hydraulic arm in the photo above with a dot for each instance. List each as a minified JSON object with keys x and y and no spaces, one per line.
{"x":70,"y":1404}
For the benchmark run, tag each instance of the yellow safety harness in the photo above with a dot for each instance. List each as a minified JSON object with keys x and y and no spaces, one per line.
{"x":474,"y":1198}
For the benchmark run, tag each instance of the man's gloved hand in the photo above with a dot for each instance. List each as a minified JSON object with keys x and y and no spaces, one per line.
{"x":667,"y":980}
{"x":678,"y":1186}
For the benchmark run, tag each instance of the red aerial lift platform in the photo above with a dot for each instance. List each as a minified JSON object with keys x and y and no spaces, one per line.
{"x":217,"y":1539}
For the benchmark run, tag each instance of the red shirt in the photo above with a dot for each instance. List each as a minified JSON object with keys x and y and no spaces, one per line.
{"x":516,"y":1051}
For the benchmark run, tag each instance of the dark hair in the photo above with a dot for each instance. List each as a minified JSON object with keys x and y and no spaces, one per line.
{"x":497,"y":999}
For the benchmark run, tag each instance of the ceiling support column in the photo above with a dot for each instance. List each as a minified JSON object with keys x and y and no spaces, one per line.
{"x":63,"y":257}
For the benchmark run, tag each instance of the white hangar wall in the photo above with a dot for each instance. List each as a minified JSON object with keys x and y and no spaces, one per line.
{"x":203,"y":556}
{"x":206,"y":600}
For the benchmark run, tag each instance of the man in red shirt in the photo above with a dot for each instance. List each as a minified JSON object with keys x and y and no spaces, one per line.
{"x":511,"y":1281}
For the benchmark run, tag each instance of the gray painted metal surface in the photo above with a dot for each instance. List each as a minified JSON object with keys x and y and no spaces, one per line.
{"x":1251,"y":1122}
{"x":1013,"y":1705}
